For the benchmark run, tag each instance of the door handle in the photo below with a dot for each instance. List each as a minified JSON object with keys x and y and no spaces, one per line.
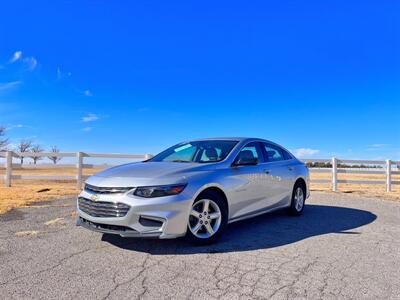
{"x":266,"y":171}
{"x":290,"y":168}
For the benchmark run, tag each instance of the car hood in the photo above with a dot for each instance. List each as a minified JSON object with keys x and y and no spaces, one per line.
{"x":147,"y":173}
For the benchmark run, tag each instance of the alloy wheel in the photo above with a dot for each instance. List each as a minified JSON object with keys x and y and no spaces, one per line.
{"x":299,"y":199}
{"x":205,"y":218}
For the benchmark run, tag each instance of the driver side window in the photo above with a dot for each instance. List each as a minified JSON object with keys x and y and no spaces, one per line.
{"x":252,"y":151}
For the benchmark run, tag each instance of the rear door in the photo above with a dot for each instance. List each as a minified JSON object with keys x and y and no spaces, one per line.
{"x":280,"y":174}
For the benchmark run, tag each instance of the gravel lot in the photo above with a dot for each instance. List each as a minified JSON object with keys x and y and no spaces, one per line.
{"x":343,"y":247}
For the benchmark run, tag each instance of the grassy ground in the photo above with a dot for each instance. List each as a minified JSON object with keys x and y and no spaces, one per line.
{"x":26,"y":192}
{"x":362,"y":189}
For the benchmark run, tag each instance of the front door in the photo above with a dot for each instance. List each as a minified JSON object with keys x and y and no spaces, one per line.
{"x":250,"y":192}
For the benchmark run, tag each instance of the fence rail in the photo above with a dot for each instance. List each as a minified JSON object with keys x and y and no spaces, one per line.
{"x":9,"y":166}
{"x":334,"y":169}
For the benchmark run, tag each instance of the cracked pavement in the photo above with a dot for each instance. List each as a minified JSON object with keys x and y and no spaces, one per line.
{"x":342,"y":247}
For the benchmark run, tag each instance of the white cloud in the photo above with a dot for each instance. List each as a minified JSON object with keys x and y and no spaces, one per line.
{"x":90,"y":118}
{"x":304,"y":152}
{"x":378,"y":147}
{"x":10,"y":127}
{"x":87,"y":129}
{"x":62,"y":75}
{"x":8,"y":85}
{"x":30,"y":62}
{"x":59,"y":74}
{"x":87,"y":93}
{"x":16,"y":56}
{"x":11,"y":146}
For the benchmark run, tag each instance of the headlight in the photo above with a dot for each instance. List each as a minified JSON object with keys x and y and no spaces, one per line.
{"x":159,"y":191}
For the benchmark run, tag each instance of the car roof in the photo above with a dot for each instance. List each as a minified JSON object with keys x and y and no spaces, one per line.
{"x":239,"y":139}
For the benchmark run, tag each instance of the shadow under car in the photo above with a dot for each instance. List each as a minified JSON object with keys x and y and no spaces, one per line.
{"x":262,"y":232}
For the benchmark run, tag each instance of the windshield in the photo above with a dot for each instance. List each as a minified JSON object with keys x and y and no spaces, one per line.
{"x":197,"y":152}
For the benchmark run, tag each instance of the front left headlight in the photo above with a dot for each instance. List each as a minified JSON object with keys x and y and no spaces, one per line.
{"x":159,"y":191}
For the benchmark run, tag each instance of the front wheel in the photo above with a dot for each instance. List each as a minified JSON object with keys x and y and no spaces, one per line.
{"x":207,"y":219}
{"x":298,"y":199}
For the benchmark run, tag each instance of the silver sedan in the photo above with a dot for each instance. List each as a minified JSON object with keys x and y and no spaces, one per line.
{"x":194,"y":189}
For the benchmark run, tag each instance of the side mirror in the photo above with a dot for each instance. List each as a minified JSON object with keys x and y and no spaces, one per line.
{"x":245,"y":161}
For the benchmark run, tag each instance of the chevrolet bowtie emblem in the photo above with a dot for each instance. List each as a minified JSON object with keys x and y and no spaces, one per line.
{"x":94,"y":197}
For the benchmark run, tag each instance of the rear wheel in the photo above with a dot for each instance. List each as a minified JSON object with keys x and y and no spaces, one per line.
{"x":298,"y":199}
{"x":207,"y":219}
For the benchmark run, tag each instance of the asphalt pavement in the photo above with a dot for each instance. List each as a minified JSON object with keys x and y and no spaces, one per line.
{"x":342,"y":247}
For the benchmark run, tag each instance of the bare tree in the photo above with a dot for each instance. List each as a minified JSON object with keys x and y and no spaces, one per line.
{"x":3,"y":141}
{"x":36,"y":149}
{"x":24,"y":146}
{"x":54,"y":159}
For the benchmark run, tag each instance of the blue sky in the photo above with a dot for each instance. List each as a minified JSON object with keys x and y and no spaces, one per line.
{"x":321,"y":78}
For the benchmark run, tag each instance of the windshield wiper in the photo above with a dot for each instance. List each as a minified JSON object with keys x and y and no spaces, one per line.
{"x":181,"y":161}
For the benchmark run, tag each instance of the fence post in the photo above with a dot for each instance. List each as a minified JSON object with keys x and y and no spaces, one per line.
{"x":79,"y":167}
{"x":334,"y":174}
{"x":388,"y":175}
{"x":8,"y":165}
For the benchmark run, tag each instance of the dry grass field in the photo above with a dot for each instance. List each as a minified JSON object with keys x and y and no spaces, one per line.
{"x":362,"y":189}
{"x":29,"y":192}
{"x":51,"y":171}
{"x":26,"y":192}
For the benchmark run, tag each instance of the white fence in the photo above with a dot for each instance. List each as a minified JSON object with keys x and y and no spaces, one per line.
{"x":386,"y":168}
{"x":79,"y":156}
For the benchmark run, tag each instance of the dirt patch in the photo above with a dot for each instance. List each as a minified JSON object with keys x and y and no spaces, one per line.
{"x":40,"y":203}
{"x":12,"y":215}
{"x":54,"y":221}
{"x":32,"y":233}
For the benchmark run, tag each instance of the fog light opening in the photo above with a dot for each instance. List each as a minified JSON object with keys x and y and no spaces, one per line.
{"x":150,"y":222}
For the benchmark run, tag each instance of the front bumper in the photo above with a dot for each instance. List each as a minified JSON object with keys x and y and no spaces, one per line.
{"x":171,"y":214}
{"x":121,"y":230}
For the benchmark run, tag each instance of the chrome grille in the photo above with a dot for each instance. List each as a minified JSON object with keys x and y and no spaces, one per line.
{"x":102,"y":209}
{"x":106,"y":190}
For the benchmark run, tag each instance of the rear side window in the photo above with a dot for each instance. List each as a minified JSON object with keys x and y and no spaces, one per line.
{"x":273,"y":153}
{"x":286,"y":155}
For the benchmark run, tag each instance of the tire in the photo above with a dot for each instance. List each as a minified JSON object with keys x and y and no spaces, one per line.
{"x":298,"y":199}
{"x":206,"y":226}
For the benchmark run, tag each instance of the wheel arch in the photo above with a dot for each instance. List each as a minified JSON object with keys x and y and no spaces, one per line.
{"x":216,"y":189}
{"x":303,"y":182}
